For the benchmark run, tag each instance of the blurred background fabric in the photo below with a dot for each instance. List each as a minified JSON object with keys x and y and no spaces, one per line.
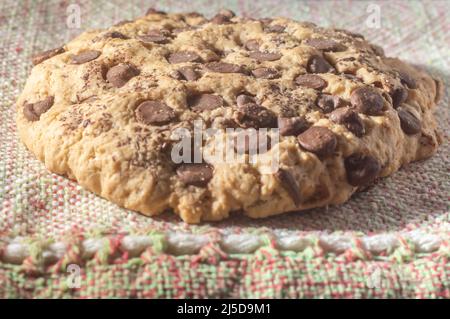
{"x":398,"y":229}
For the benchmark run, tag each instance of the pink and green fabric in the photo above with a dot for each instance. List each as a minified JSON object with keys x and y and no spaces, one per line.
{"x":60,"y":241}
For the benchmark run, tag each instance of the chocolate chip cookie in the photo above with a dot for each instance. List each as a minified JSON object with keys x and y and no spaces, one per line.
{"x":104,"y":108}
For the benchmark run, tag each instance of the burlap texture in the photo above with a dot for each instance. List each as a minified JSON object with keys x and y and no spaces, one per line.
{"x":37,"y":205}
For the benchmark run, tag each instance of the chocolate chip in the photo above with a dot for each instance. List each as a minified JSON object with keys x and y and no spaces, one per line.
{"x":361,"y":169}
{"x":29,"y":113}
{"x":154,"y":112}
{"x":188,"y":73}
{"x":407,"y":80}
{"x":220,"y":19}
{"x":163,"y":31}
{"x":120,"y":74}
{"x":264,"y":56}
{"x":154,"y":11}
{"x":351,"y":77}
{"x":176,"y":75}
{"x":266,"y":20}
{"x":377,"y":50}
{"x":158,"y":39}
{"x":243,"y":99}
{"x":33,"y":111}
{"x":252,"y":142}
{"x":308,"y":25}
{"x":224,"y":123}
{"x":318,"y":140}
{"x":85,"y":56}
{"x":194,"y":14}
{"x":367,"y":100}
{"x":350,"y":119}
{"x":41,"y":57}
{"x":195,"y":174}
{"x":156,"y":36}
{"x":228,"y":13}
{"x":222,"y":67}
{"x":439,"y":90}
{"x":292,"y":126}
{"x":274,"y":28}
{"x":115,"y":35}
{"x":346,"y":59}
{"x":252,"y":45}
{"x":398,"y":95}
{"x":266,"y":73}
{"x":378,"y":84}
{"x":252,"y":115}
{"x":328,"y":102}
{"x":290,"y":185}
{"x":44,"y":105}
{"x":408,"y":122}
{"x":325,"y":44}
{"x":350,"y":33}
{"x":311,"y":81}
{"x":120,"y":23}
{"x":204,"y":102}
{"x":183,"y":56}
{"x":317,"y":64}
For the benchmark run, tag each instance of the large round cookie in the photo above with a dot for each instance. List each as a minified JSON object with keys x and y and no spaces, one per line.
{"x":102,"y":110}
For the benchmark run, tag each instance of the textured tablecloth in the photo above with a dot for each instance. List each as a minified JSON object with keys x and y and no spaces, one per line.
{"x":391,"y":241}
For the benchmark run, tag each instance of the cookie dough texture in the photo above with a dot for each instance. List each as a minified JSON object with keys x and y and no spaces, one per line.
{"x":101,"y":109}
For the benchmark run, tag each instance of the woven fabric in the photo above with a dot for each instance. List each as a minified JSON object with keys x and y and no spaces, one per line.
{"x":399,"y":227}
{"x":266,"y":274}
